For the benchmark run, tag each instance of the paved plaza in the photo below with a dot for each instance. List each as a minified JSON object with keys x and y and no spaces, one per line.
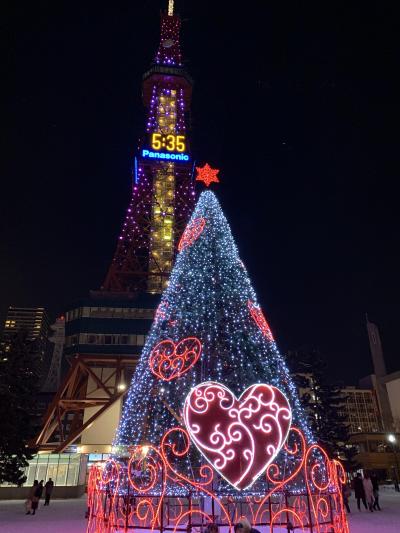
{"x":68,"y":516}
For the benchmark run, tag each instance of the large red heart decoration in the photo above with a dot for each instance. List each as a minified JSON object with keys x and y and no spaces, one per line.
{"x":238,"y":437}
{"x":169,"y":360}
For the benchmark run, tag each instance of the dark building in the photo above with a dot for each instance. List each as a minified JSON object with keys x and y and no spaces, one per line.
{"x":105,"y":326}
{"x":33,"y":320}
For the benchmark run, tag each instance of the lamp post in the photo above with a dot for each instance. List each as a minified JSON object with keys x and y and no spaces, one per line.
{"x":392,"y":439}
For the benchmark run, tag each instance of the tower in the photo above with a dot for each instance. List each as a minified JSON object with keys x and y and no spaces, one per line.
{"x":380,"y":373}
{"x":163,"y":192}
{"x":105,"y":333}
{"x":57,"y":339}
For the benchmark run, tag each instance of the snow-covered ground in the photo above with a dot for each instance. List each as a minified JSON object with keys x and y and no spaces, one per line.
{"x":68,"y":516}
{"x":385,"y":521}
{"x":61,"y":516}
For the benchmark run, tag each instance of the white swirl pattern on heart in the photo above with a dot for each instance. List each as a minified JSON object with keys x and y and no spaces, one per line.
{"x":239,"y":437}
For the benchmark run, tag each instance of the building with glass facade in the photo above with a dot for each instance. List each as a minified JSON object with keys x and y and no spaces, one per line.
{"x":360,"y":409}
{"x":67,"y":470}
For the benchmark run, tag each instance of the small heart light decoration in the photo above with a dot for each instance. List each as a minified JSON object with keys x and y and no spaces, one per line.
{"x":170,"y":360}
{"x":241,"y":436}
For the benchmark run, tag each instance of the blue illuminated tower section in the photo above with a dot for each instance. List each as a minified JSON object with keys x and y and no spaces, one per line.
{"x":163,"y":192}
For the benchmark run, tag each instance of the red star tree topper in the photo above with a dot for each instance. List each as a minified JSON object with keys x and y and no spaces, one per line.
{"x":207,"y":174}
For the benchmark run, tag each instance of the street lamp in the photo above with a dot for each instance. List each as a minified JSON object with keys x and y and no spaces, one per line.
{"x":392,"y":439}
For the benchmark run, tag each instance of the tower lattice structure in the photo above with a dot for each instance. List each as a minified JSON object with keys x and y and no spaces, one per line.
{"x":163,"y":191}
{"x":104,"y":333}
{"x":57,"y":338}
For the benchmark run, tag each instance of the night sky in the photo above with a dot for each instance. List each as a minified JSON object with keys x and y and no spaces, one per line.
{"x":297,"y":104}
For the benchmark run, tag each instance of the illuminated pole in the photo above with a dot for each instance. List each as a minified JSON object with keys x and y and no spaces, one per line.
{"x":392,"y":439}
{"x":170,"y":8}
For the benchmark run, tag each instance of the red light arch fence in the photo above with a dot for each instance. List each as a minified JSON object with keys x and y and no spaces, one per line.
{"x":148,"y":491}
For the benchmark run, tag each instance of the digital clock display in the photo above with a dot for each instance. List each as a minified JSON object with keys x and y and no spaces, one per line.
{"x":170,"y":142}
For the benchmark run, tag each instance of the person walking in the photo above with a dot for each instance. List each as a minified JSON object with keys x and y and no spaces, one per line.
{"x":36,"y":496}
{"x":375,"y":486}
{"x":369,"y":492}
{"x":31,"y":495}
{"x":359,"y":491}
{"x":346,"y":493}
{"x":40,"y":488}
{"x":48,"y":489}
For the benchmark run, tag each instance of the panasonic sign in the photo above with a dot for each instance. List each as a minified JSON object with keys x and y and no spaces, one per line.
{"x":162,"y":155}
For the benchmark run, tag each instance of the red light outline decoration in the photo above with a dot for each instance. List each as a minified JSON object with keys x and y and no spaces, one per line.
{"x":170,"y":360}
{"x":206,"y":472}
{"x":137,"y":463}
{"x":207,"y":175}
{"x":112,"y":489}
{"x":192,"y":232}
{"x":231,"y":433}
{"x":259,"y":318}
{"x":161,"y":311}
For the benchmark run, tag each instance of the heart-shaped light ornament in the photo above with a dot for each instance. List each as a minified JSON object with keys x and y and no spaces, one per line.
{"x":238,"y":437}
{"x":170,"y":360}
{"x":192,"y":232}
{"x":260,"y":320}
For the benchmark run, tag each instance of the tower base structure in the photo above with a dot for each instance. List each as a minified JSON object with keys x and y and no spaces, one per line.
{"x":146,"y":489}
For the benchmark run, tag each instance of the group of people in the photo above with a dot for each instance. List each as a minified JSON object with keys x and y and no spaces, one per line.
{"x":35,"y":493}
{"x":366,"y":490}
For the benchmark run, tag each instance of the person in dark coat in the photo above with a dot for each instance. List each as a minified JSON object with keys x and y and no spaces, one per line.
{"x":36,"y":496}
{"x":346,"y":493}
{"x":40,"y":488}
{"x":375,"y":486}
{"x":359,"y":492}
{"x":48,"y":489}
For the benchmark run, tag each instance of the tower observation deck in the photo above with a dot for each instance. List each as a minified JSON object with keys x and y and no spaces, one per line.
{"x":163,"y":191}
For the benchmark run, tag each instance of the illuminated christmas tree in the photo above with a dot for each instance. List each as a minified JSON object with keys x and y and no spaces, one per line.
{"x":212,"y":428}
{"x":208,"y":327}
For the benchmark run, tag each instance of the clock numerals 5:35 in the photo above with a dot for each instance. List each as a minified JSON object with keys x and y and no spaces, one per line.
{"x":170,"y":142}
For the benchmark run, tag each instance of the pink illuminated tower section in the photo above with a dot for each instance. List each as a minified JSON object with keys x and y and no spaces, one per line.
{"x":163,"y":191}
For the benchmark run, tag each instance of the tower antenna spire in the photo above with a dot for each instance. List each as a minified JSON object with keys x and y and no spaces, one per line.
{"x":170,"y":8}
